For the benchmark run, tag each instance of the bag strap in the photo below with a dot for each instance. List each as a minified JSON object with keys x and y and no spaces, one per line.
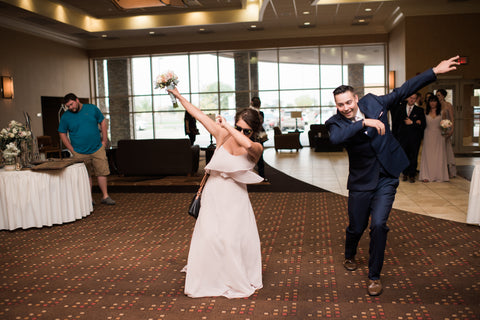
{"x":202,"y":183}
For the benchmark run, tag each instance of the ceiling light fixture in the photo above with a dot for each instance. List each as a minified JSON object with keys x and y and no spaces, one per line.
{"x":368,"y":9}
{"x":322,"y":2}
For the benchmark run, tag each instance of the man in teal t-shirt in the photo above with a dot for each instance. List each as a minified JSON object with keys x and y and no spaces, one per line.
{"x":84,"y":140}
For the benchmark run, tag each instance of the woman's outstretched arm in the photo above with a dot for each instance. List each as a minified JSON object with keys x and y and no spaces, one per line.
{"x":209,"y":124}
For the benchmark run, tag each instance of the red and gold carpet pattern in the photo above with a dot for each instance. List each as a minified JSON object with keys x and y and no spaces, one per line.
{"x":124,"y":262}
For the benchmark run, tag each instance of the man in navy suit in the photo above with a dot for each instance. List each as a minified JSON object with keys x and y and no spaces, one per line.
{"x":375,"y":163}
{"x":410,"y":124}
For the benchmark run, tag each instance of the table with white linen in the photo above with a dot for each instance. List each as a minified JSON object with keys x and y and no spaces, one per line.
{"x":473,"y":213}
{"x":44,"y":198}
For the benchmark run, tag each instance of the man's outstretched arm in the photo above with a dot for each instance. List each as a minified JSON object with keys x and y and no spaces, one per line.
{"x":446,"y":65}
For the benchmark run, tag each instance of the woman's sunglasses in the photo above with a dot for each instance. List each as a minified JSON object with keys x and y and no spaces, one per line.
{"x":245,"y":131}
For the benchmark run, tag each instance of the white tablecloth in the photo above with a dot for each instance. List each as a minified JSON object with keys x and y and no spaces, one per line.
{"x":36,"y":199}
{"x":473,"y":214}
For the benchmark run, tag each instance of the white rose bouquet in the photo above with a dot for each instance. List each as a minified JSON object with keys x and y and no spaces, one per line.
{"x":11,"y":150}
{"x":16,"y":133}
{"x":168,"y":80}
{"x":445,"y":125}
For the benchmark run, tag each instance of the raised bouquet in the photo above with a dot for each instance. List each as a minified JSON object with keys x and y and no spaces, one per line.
{"x":445,"y":126}
{"x":168,"y":80}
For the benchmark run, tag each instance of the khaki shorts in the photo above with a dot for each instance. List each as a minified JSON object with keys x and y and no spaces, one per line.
{"x":96,"y":163}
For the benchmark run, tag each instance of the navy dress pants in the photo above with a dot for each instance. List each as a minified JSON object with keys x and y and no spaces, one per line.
{"x":377,"y":205}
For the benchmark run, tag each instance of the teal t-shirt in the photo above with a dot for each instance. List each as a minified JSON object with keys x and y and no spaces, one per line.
{"x":82,"y":128}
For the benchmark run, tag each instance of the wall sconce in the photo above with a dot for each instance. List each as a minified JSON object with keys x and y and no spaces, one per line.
{"x":391,"y":80}
{"x":6,"y":91}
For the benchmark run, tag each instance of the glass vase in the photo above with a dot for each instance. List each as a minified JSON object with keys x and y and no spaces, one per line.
{"x":10,"y":163}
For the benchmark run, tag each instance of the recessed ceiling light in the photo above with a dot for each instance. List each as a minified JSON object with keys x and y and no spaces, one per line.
{"x":201,"y":29}
{"x":253,"y":26}
{"x":306,"y":23}
{"x":361,"y":20}
{"x":368,"y":9}
{"x":104,"y":35}
{"x":306,"y":12}
{"x":151,"y":32}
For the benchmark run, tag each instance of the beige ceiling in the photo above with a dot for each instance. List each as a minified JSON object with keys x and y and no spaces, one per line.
{"x":104,"y":24}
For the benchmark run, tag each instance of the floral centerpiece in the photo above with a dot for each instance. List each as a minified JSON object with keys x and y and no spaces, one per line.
{"x":168,"y":80}
{"x":13,"y":135}
{"x":445,"y":125}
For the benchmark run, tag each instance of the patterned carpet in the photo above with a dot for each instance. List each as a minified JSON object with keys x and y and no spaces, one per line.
{"x":124,"y":262}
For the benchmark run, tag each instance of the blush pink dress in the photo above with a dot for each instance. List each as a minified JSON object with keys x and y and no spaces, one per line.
{"x":433,"y":163}
{"x":225,"y":255}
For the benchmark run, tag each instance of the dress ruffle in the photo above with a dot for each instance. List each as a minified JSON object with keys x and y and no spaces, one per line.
{"x":242,"y":171}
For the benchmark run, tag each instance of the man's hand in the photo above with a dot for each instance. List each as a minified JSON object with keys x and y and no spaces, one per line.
{"x":408,"y":121}
{"x":374,"y":123}
{"x":446,"y":65}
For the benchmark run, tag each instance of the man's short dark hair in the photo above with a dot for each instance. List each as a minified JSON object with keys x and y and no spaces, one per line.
{"x":69,"y":97}
{"x":342,"y":89}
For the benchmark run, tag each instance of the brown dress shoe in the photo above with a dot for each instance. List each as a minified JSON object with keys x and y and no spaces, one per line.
{"x":350,"y":264}
{"x":405,"y":178}
{"x":412,"y":179}
{"x":375,"y":287}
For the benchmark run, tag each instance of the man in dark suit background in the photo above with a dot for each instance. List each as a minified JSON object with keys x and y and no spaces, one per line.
{"x":376,"y":160}
{"x":410,"y":125}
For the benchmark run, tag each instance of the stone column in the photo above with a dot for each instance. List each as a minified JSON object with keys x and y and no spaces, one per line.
{"x":254,"y":73}
{"x":242,"y":97}
{"x":355,"y":78}
{"x":119,"y":88}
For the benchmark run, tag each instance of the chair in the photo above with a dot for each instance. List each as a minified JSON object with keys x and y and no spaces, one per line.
{"x":319,"y":138}
{"x":286,"y":140}
{"x":45,"y":145}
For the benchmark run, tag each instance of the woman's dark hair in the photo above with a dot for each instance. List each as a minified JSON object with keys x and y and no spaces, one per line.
{"x":251,"y":117}
{"x":439,"y":105}
{"x":427,"y":96}
{"x":443,"y":92}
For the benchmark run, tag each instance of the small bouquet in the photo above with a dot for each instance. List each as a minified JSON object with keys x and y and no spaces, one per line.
{"x":445,"y":126}
{"x":168,"y":80}
{"x":11,"y":150}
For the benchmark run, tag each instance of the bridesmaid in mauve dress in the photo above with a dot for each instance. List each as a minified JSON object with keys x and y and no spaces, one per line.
{"x":433,"y":163}
{"x":225,"y":255}
{"x":447,"y":108}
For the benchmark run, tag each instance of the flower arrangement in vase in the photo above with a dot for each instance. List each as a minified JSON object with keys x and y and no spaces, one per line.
{"x":10,"y":154}
{"x":11,"y":139}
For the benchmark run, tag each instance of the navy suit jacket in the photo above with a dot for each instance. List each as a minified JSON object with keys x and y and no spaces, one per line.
{"x":370,"y":153}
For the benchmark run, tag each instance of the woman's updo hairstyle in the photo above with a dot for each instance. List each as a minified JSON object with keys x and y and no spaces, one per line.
{"x":251,"y":117}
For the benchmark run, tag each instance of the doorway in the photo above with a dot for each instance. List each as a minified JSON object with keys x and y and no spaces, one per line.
{"x":464,"y":97}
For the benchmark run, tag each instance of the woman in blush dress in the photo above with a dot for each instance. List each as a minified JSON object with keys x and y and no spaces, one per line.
{"x":225,"y":255}
{"x":447,"y":108}
{"x":433,"y":163}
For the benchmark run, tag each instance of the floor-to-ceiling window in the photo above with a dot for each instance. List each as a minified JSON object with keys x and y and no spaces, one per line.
{"x":294,"y":84}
